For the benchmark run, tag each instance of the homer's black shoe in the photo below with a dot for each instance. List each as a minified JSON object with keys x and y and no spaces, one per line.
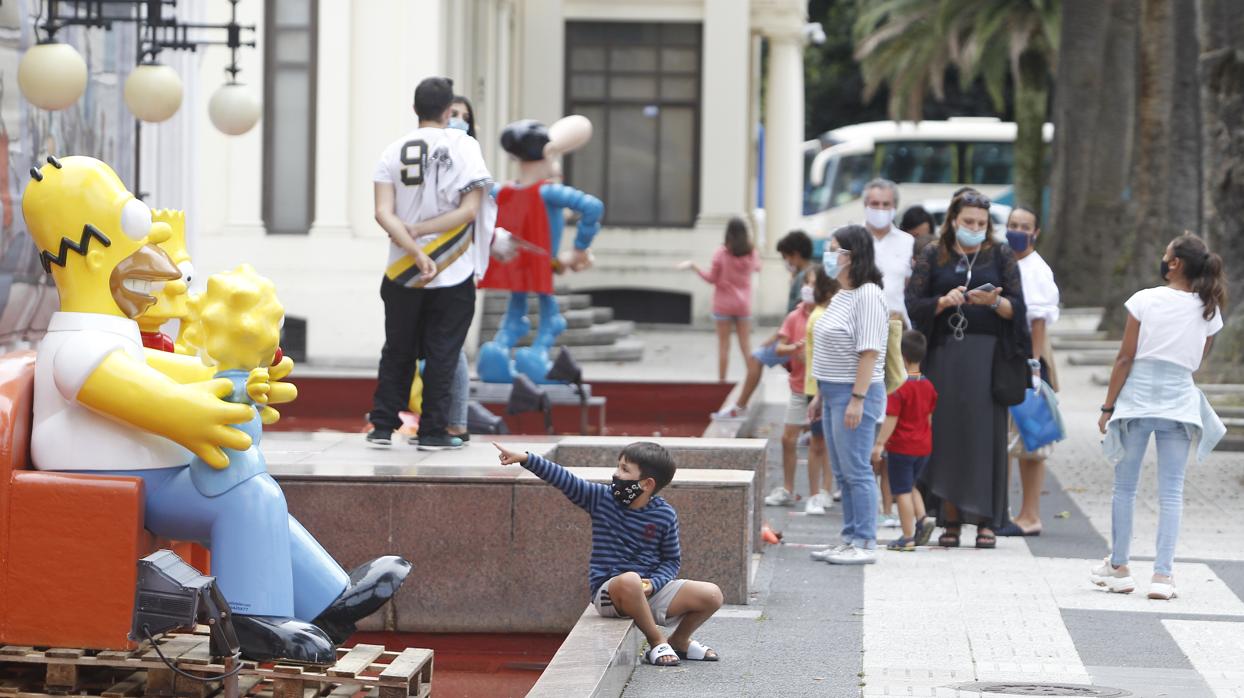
{"x":371,"y":585}
{"x":275,"y":639}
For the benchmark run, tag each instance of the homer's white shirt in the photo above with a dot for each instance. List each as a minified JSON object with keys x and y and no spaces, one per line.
{"x":68,"y":435}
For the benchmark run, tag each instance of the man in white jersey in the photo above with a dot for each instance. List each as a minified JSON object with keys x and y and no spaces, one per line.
{"x":894,"y":247}
{"x":431,"y":198}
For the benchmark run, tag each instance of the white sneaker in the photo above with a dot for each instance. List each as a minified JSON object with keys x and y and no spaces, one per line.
{"x":779,"y":497}
{"x":1162,"y":591}
{"x":837,"y":495}
{"x":852,"y":556}
{"x":1115,"y":579}
{"x":731,"y":412}
{"x":889,"y":522}
{"x":815,"y":506}
{"x":823,"y":555}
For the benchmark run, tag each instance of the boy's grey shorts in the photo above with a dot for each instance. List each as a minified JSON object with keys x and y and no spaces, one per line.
{"x":658,"y":602}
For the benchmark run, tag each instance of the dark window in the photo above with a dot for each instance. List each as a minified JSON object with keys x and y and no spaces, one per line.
{"x":640,"y":86}
{"x":644,"y":305}
{"x":289,"y":115}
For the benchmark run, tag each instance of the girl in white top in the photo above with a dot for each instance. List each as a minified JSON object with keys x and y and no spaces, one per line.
{"x":1169,"y":331}
{"x":848,"y":362}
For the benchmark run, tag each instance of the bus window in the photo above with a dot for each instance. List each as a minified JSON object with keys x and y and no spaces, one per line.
{"x":990,"y":163}
{"x":918,"y":162}
{"x":815,"y":197}
{"x":853,"y":173}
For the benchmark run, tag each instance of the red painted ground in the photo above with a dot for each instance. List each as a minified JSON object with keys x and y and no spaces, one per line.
{"x":475,"y":665}
{"x":632,"y":409}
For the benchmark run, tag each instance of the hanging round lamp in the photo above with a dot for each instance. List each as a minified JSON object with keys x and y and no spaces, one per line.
{"x":52,"y":75}
{"x":234,"y":109}
{"x":153,"y":92}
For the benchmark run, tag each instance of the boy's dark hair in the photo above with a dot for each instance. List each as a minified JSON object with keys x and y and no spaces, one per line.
{"x":432,"y":97}
{"x":796,"y":242}
{"x":914,"y":346}
{"x":653,"y":460}
{"x":737,"y":240}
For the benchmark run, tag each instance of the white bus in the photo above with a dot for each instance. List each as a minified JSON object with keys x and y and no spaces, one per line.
{"x":928,"y":159}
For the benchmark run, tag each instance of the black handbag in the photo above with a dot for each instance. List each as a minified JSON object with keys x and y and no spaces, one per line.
{"x":1011,"y":378}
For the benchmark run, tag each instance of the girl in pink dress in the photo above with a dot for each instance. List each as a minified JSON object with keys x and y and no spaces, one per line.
{"x":730,"y":273}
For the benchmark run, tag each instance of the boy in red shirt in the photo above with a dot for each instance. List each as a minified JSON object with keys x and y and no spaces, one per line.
{"x":907,"y":439}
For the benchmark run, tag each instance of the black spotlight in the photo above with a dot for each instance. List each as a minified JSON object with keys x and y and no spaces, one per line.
{"x":566,"y":370}
{"x":525,"y":396}
{"x":482,"y":421}
{"x":171,"y":594}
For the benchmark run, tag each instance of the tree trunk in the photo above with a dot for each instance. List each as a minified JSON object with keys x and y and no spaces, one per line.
{"x":1094,"y":116}
{"x":1221,"y":73}
{"x":1032,"y":95}
{"x":1166,"y":181}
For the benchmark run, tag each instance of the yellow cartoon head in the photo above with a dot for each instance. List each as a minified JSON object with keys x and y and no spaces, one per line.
{"x":96,"y":240}
{"x":237,"y":320}
{"x":171,"y":298}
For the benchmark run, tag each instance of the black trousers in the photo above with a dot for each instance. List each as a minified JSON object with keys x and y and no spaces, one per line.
{"x":421,"y":323}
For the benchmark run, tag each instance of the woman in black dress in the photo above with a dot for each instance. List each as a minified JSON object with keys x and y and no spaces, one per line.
{"x":965,"y":481}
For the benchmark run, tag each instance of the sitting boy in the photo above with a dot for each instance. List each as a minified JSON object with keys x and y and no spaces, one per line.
{"x":635,"y":551}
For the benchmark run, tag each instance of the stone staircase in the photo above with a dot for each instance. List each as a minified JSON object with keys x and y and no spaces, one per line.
{"x":591,"y":333}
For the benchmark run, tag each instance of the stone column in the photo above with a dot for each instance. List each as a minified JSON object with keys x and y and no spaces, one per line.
{"x":781,"y":22}
{"x":332,"y":121}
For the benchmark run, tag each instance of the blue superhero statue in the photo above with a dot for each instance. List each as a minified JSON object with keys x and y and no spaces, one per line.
{"x":531,"y":210}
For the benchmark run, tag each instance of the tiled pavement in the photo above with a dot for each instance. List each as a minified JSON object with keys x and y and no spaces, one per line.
{"x":918,"y":624}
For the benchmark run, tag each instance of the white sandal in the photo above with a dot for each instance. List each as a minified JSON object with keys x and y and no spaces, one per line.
{"x":697,"y":652}
{"x":662,"y":650}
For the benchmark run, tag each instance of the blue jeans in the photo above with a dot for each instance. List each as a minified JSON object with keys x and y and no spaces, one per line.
{"x":1173,"y":446}
{"x":851,"y":450}
{"x":460,"y":393}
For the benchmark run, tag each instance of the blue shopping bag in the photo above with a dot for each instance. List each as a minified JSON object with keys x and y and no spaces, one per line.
{"x":1038,"y":419}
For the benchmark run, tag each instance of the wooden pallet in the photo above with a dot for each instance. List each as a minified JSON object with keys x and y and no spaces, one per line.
{"x":360,"y":671}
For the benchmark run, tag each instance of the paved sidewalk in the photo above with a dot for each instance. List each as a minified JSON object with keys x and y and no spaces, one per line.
{"x":918,"y":624}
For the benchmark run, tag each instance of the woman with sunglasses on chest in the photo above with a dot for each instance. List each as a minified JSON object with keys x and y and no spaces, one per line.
{"x":965,"y":296}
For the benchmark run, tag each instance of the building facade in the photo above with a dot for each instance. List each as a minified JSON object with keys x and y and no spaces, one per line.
{"x":673,"y":88}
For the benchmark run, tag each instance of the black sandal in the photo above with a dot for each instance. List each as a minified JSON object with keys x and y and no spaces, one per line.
{"x":948,"y":539}
{"x":986,"y":541}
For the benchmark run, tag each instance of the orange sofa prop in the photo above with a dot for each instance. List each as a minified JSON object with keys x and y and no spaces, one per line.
{"x":69,"y":544}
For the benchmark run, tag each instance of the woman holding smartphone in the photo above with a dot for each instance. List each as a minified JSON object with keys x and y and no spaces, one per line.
{"x":965,"y":296}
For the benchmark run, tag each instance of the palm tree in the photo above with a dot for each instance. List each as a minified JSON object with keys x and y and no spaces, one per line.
{"x":908,"y":44}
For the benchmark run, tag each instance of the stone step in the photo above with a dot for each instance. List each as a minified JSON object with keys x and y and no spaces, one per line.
{"x":600,"y":315}
{"x":1092,"y":358}
{"x":1080,"y":345}
{"x":575,"y":319}
{"x":629,"y":349}
{"x":496,"y":303}
{"x":595,"y":335}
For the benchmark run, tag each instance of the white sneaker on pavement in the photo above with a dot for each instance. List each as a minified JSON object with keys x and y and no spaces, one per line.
{"x":887,"y":521}
{"x":779,"y":497}
{"x":837,"y":495}
{"x":815,"y":506}
{"x":731,"y":412}
{"x":1114,"y":579}
{"x":1162,"y":588}
{"x":852,"y":556}
{"x":823,"y":555}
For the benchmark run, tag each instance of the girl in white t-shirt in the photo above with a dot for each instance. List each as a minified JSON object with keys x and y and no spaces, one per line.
{"x":1169,"y":331}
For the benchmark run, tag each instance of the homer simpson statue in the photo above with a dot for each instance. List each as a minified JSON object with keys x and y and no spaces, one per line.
{"x":104,"y":405}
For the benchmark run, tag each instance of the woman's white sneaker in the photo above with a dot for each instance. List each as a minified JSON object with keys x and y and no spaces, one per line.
{"x":817,"y":504}
{"x":1114,"y":579}
{"x":824,"y":555}
{"x":779,"y":497}
{"x":1162,"y":588}
{"x":852,"y":556}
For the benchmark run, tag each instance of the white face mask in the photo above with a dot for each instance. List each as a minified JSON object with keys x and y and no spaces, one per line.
{"x":807,"y":295}
{"x":878,"y":218}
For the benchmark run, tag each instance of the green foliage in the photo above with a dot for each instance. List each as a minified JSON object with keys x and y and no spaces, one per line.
{"x":834,"y":81}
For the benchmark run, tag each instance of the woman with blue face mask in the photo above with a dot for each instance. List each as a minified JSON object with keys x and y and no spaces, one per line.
{"x":462,"y":116}
{"x":965,"y":296}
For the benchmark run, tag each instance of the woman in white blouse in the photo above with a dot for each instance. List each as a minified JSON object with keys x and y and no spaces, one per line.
{"x":848,"y":363}
{"x":1041,"y":300}
{"x":1169,"y":331}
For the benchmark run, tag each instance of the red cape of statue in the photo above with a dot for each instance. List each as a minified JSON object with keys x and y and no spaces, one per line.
{"x":521,"y":211}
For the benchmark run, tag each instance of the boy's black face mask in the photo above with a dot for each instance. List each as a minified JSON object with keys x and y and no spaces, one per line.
{"x":626,"y":491}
